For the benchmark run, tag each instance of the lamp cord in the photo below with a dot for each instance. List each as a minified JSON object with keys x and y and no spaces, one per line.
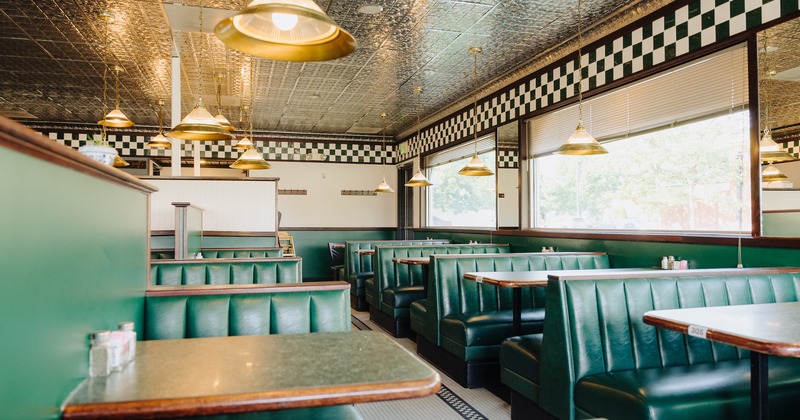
{"x":103,"y":135}
{"x":202,"y":51}
{"x":475,"y":96}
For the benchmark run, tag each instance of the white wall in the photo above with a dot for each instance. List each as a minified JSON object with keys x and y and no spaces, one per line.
{"x":324,"y":206}
{"x":508,"y":206}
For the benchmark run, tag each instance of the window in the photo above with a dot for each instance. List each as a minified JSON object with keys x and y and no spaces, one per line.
{"x":678,"y":156}
{"x":457,"y":200}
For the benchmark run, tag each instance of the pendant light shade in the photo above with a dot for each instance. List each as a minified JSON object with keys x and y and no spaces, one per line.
{"x":116,"y":118}
{"x":243,"y":144}
{"x":475,"y":167}
{"x":120,"y":162}
{"x":275,"y":29}
{"x":772,"y":174}
{"x":383,"y":187}
{"x":159,"y":141}
{"x":221,"y":120}
{"x":250,"y":159}
{"x":581,"y":143}
{"x":418,"y":180}
{"x":771,"y":151}
{"x":199,"y":125}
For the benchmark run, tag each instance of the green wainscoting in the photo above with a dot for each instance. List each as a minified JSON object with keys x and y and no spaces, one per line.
{"x":74,"y":259}
{"x":624,"y":253}
{"x":312,"y":246}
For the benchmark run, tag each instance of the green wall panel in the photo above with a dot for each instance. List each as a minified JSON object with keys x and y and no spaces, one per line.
{"x":312,"y":246}
{"x":73,"y":252}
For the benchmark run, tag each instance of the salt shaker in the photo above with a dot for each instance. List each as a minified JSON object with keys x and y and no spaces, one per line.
{"x":100,"y":354}
{"x":127,"y":327}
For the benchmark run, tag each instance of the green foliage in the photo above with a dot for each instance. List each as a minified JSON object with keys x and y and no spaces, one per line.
{"x":454,"y":195}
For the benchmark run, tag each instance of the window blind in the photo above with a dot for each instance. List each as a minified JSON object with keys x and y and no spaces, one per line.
{"x":707,"y":86}
{"x":463,"y":150}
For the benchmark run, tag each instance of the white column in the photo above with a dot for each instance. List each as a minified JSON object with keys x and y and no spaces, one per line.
{"x":196,"y":155}
{"x":177,"y":144}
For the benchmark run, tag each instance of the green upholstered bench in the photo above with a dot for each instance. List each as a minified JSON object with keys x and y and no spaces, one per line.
{"x":461,"y":324}
{"x":597,"y":358}
{"x":213,"y":311}
{"x":357,"y":268}
{"x":223,"y":310}
{"x":267,"y":252}
{"x":226,"y":271}
{"x":394,"y":286}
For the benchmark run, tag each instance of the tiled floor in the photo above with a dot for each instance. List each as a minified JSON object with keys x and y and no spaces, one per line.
{"x":451,"y":402}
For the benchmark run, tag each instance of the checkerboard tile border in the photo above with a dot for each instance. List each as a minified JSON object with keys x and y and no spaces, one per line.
{"x":508,"y":159}
{"x":792,"y":147}
{"x":135,"y":146}
{"x":689,"y":28}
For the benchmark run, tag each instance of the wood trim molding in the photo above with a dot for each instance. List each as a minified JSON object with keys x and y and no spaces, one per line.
{"x":243,"y":289}
{"x":24,"y":140}
{"x":223,"y":260}
{"x":208,"y":178}
{"x":677,"y":273}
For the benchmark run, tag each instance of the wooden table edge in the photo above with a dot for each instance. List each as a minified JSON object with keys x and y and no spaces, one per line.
{"x":260,"y":401}
{"x":506,"y":283}
{"x":751,"y":344}
{"x":411,"y":260}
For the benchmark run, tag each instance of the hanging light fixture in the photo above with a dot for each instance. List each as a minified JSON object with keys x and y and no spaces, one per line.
{"x":200,"y":125}
{"x":769,"y":150}
{"x":244,"y":143}
{"x":115,"y":118}
{"x":418,"y":180}
{"x":159,"y":141}
{"x":475,"y":167}
{"x":250,"y":159}
{"x":581,"y":142}
{"x":772,"y":174}
{"x":383,"y":187}
{"x":219,"y":117}
{"x":119,"y":162}
{"x":287,"y":31}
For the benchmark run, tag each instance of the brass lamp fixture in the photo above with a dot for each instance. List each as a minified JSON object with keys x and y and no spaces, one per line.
{"x":475,"y":167}
{"x":581,"y":142}
{"x":250,"y":159}
{"x":200,"y":125}
{"x":219,"y":117}
{"x":772,"y":174}
{"x":383,"y":187}
{"x":283,"y":30}
{"x":771,"y":151}
{"x":244,"y":143}
{"x":159,"y":141}
{"x":419,"y":179}
{"x":119,"y":162}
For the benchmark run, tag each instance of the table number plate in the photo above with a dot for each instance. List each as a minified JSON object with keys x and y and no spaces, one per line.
{"x":696,"y":331}
{"x":479,"y":279}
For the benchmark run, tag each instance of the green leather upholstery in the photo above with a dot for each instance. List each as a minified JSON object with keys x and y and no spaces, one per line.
{"x":520,"y":365}
{"x":214,"y":311}
{"x":169,"y":254}
{"x":395,"y":286}
{"x":226,"y":271}
{"x":599,"y":359}
{"x":358,"y":268}
{"x":463,"y":322}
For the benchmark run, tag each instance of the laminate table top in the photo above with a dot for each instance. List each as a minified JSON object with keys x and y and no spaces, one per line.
{"x":204,"y":376}
{"x":538,"y":278}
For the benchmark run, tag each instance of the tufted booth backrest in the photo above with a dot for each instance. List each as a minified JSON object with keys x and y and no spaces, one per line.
{"x":214,"y":311}
{"x":594,"y":324}
{"x":226,"y":271}
{"x":389,"y":274}
{"x":270,"y":252}
{"x":449,"y":293}
{"x":354,"y":264}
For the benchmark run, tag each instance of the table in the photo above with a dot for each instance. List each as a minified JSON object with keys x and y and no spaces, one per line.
{"x":764,"y":329}
{"x":423,"y":262}
{"x":365,"y":251}
{"x":256,"y":373}
{"x":516,"y":280}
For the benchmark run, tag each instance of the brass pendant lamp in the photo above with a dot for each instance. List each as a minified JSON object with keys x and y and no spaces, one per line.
{"x":383,"y":187}
{"x":772,"y":174}
{"x":244,"y":143}
{"x":219,"y":118}
{"x":581,"y":143}
{"x":284,"y":30}
{"x":119,"y":162}
{"x":159,"y":141}
{"x":475,"y":167}
{"x":769,"y":150}
{"x":419,"y":179}
{"x":250,"y":159}
{"x":115,"y":118}
{"x":200,"y":125}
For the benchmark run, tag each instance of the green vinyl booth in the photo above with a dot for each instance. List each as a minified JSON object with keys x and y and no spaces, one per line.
{"x":226,"y":271}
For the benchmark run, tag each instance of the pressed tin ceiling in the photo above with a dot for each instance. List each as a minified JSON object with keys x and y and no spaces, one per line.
{"x":54,"y":54}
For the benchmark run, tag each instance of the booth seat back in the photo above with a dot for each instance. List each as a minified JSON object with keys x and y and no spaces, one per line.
{"x":354,"y":264}
{"x":226,"y":271}
{"x":594,"y":325}
{"x":449,"y":293}
{"x":270,"y":252}
{"x":388,"y":274}
{"x":214,"y":311}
